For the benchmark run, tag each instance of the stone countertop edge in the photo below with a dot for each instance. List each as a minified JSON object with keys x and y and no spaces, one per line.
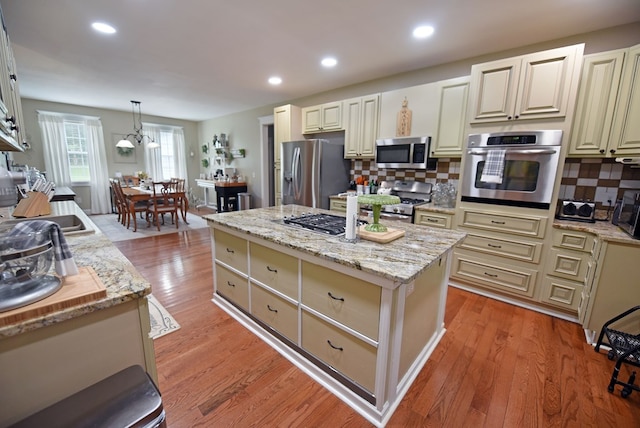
{"x":605,"y":230}
{"x":122,"y":281}
{"x":400,"y":261}
{"x":430,"y":207}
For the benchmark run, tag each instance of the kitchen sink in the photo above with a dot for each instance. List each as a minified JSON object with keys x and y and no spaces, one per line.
{"x":70,"y":224}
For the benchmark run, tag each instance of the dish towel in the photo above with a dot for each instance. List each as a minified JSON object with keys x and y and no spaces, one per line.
{"x":493,"y":167}
{"x":65,"y":265}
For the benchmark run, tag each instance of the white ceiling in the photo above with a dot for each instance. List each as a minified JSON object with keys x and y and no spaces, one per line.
{"x":200,"y":59}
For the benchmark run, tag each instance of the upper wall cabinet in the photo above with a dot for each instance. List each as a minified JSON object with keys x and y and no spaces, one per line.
{"x":11,"y":120}
{"x":449,"y":137}
{"x":608,"y":105}
{"x":535,"y":86}
{"x":322,"y":118}
{"x":360,"y":118}
{"x":421,"y":102}
{"x":626,"y":121}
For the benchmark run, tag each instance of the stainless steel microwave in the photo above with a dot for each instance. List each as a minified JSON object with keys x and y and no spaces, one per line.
{"x":405,"y":152}
{"x":629,"y":216}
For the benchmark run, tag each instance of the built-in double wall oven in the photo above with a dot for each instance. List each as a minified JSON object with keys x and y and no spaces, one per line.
{"x":511,"y":168}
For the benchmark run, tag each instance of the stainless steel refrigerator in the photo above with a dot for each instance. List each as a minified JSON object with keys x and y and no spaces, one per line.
{"x":313,"y":170}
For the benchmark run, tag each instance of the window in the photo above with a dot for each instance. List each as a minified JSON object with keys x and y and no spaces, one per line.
{"x":166,"y":155}
{"x":77,"y":151}
{"x":168,"y":160}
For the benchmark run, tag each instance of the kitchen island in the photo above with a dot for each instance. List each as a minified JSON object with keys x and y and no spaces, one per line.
{"x":51,"y":356}
{"x":360,"y":318}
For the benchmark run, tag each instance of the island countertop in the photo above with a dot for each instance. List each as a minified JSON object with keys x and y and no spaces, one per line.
{"x":122,"y":281}
{"x":400,"y":261}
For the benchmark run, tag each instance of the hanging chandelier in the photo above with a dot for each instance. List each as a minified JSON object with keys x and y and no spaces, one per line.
{"x":137,"y":135}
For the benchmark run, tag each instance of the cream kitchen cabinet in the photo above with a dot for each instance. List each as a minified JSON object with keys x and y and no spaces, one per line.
{"x":12,"y":130}
{"x":570,"y":269}
{"x":322,"y":118}
{"x":597,"y":95}
{"x":501,"y":252}
{"x":449,"y":136}
{"x":287,"y":127}
{"x":360,"y":118}
{"x":625,"y":135}
{"x":337,"y":204}
{"x":535,"y":86}
{"x":434,"y":219}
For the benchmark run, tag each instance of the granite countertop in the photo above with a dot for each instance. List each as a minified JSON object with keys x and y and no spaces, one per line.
{"x":424,"y":207}
{"x":604,"y":229}
{"x":121,"y":279}
{"x":400,"y":261}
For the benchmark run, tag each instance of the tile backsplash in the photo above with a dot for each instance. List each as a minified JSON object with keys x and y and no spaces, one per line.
{"x":448,"y":170}
{"x":599,"y":180}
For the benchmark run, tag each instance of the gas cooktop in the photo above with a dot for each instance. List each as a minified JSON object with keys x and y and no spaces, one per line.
{"x":323,"y":223}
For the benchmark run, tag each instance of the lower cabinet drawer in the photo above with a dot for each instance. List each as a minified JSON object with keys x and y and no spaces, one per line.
{"x":347,"y":354}
{"x":279,"y":314}
{"x":520,"y":250}
{"x":338,"y":205}
{"x":571,"y":265}
{"x":233,"y":286}
{"x":561,"y":293}
{"x":433,"y":219}
{"x":230,"y":250}
{"x":348,"y":300}
{"x":491,"y":273}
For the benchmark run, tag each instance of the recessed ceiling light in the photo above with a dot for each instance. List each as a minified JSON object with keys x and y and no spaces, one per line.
{"x":275,"y":80}
{"x":103,"y":28}
{"x":329,"y":62}
{"x":423,"y":32}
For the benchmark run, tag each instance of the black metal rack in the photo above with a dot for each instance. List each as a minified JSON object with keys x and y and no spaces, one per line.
{"x":625,"y":348}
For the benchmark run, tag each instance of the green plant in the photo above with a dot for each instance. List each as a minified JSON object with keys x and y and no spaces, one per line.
{"x":205,"y":163}
{"x":242,"y":152}
{"x":205,"y":148}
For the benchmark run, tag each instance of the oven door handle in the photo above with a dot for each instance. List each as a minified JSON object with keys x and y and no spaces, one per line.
{"x":395,"y":216}
{"x":517,"y":151}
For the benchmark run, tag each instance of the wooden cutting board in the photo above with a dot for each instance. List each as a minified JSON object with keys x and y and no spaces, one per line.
{"x":381,"y":237}
{"x":77,"y":289}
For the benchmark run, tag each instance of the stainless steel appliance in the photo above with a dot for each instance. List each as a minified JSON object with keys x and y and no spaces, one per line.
{"x":511,"y":168}
{"x":323,"y":223}
{"x":313,"y":170}
{"x":629,"y":216}
{"x":583,"y":211}
{"x":405,"y":152}
{"x":411,"y":194}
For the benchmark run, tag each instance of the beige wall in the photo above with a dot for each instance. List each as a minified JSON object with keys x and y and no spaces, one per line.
{"x":246,"y":129}
{"x":113,"y":122}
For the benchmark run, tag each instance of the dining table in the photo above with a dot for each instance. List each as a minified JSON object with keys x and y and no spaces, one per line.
{"x":136,"y":194}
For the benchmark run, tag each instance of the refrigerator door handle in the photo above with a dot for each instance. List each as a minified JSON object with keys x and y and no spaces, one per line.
{"x":295,"y":168}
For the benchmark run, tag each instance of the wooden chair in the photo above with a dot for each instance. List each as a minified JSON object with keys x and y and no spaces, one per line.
{"x":130,"y":180}
{"x":163,"y":202}
{"x":127,"y":211}
{"x":178,"y":185}
{"x":118,"y":201}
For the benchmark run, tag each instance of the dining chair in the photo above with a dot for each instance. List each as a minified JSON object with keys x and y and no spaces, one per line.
{"x":179,"y":187}
{"x":119,"y":203}
{"x":128,"y":211}
{"x":163,"y":202}
{"x":131,"y":180}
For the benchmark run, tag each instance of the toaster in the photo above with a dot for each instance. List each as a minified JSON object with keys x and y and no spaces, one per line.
{"x":577,"y":211}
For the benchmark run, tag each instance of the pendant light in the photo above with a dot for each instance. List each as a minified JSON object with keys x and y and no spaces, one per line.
{"x":137,"y":135}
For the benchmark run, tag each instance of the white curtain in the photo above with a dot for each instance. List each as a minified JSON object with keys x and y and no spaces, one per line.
{"x":100,"y":197}
{"x":56,"y":159}
{"x":169,"y":138}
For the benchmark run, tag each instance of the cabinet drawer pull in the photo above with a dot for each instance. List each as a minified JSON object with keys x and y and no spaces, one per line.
{"x":271,"y":309}
{"x":229,"y":250}
{"x":271,"y":269}
{"x":230,"y":284}
{"x":334,"y":297}
{"x":492,"y":275}
{"x":431,"y":220}
{"x":334,"y":347}
{"x":494,"y":246}
{"x":497,"y":222}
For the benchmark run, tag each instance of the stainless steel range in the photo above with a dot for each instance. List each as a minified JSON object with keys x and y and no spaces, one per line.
{"x":411,"y":194}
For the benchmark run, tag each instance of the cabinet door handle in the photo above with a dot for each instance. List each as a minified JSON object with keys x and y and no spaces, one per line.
{"x":339,"y":348}
{"x":491,"y":275}
{"x":271,"y":269}
{"x":432,"y":220}
{"x":230,"y":284}
{"x":494,"y":246}
{"x":497,"y":222}
{"x":334,"y":297}
{"x":271,"y":309}
{"x":229,"y":250}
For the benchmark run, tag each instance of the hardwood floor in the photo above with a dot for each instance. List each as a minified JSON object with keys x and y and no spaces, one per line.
{"x":498,"y":365}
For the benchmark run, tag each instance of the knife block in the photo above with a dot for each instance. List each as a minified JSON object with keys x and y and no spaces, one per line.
{"x":34,"y":205}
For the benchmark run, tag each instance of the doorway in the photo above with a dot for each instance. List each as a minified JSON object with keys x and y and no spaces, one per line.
{"x":267,"y":189}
